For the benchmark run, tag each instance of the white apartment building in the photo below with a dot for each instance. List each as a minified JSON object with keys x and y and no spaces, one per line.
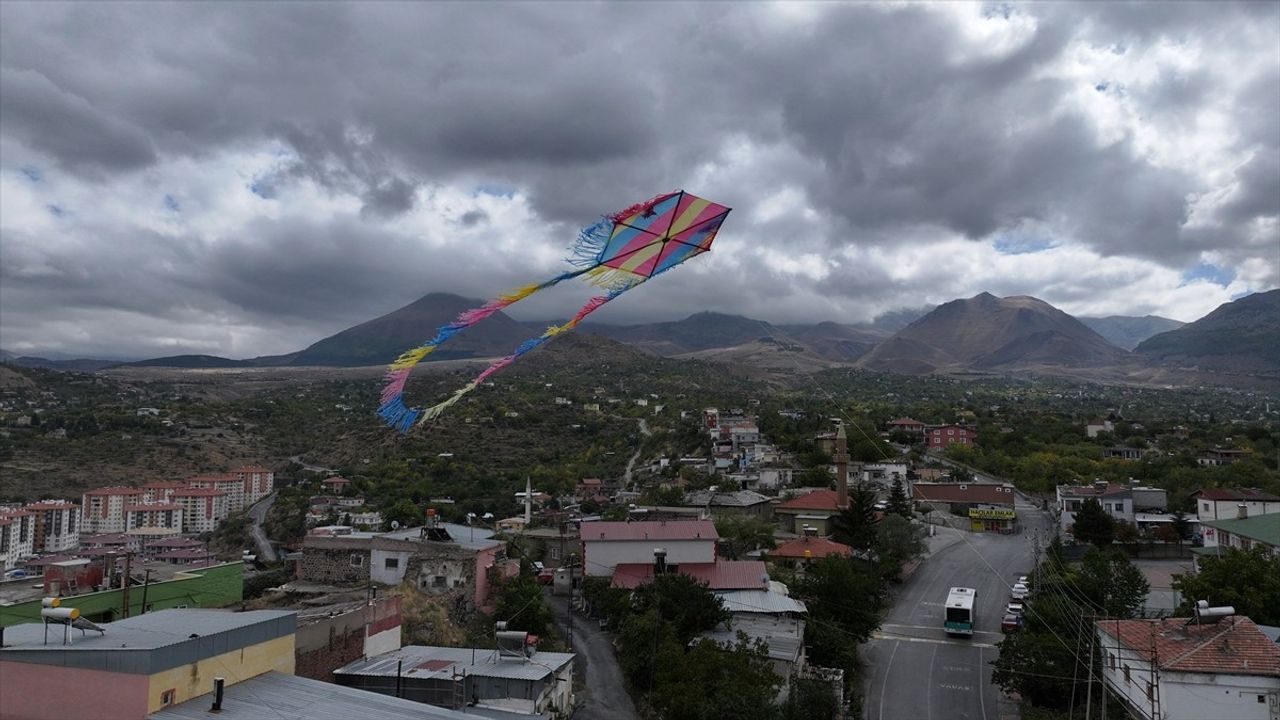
{"x":103,"y":509}
{"x":1229,"y":504}
{"x":228,"y":483}
{"x":161,"y":490}
{"x":259,"y":482}
{"x":56,"y":525}
{"x":202,"y":508}
{"x":166,"y":515}
{"x":1175,"y":669}
{"x":17,"y":536}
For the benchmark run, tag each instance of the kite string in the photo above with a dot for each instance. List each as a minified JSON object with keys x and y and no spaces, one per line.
{"x":591,"y":306}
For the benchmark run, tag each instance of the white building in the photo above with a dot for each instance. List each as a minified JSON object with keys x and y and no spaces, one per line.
{"x":229,"y":484}
{"x":1120,"y":502}
{"x":166,"y":515}
{"x":202,"y":508}
{"x":17,"y":537}
{"x":1174,"y":669}
{"x":1098,"y":426}
{"x":605,"y":545}
{"x":161,"y":490}
{"x":259,"y":482}
{"x":56,"y":525}
{"x":1227,"y":504}
{"x":103,"y":509}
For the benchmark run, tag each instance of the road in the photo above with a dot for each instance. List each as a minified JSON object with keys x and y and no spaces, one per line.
{"x":258,"y":512}
{"x":605,"y":696}
{"x":914,"y":670}
{"x":311,"y":468}
{"x":626,"y":476}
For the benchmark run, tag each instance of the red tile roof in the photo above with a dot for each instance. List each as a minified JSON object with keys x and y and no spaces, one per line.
{"x":1232,"y":645}
{"x":198,"y":492}
{"x":1235,"y":494}
{"x":906,"y":421}
{"x":816,"y":547}
{"x":964,"y":493}
{"x":250,"y":469}
{"x":335,"y":480}
{"x":115,"y":490}
{"x":719,"y":575}
{"x":817,"y":500}
{"x":176,"y":542}
{"x":213,"y":477}
{"x":650,"y":530}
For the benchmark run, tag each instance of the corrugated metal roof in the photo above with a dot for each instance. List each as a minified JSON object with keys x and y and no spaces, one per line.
{"x":142,"y":632}
{"x":429,"y":662}
{"x":760,"y":601}
{"x":650,"y":530}
{"x":288,"y":697}
{"x":784,"y":636}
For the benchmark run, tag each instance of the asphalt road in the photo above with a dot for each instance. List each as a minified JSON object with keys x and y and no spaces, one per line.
{"x":258,"y":512}
{"x":605,"y":696}
{"x":915,"y":671}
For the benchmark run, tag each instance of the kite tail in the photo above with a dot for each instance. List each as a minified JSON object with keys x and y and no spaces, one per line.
{"x":392,"y":410}
{"x":591,"y":306}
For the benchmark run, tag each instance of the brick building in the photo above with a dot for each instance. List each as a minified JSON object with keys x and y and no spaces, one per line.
{"x":940,"y":436}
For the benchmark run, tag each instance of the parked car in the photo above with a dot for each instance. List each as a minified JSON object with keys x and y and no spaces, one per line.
{"x":546,"y":576}
{"x":1015,"y":607}
{"x":1019,"y":591}
{"x":1010,"y":623}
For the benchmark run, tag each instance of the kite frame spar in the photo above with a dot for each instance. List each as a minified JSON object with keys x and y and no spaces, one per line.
{"x":618,"y":253}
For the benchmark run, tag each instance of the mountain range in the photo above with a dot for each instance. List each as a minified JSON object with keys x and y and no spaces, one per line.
{"x":984,"y":333}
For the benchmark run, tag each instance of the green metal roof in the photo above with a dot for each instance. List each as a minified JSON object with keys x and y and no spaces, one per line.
{"x":1261,"y":528}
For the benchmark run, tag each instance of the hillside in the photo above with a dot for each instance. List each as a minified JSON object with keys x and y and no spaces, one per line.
{"x":1126,"y":332}
{"x":701,"y":331}
{"x":191,"y":361}
{"x":1239,"y":336}
{"x":990,"y":333}
{"x":836,"y":341}
{"x":382,"y":339}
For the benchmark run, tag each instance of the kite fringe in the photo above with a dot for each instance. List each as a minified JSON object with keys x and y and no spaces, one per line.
{"x":611,"y":279}
{"x":641,"y":207}
{"x":591,"y":243}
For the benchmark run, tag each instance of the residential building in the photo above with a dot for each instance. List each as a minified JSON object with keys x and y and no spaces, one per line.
{"x":940,"y":436}
{"x":228,"y":484}
{"x":330,"y":637}
{"x":1225,"y":503}
{"x":554,"y":546}
{"x":161,"y":490}
{"x":1221,"y":456}
{"x":1124,"y":452}
{"x":335,"y":484}
{"x":1177,"y":669}
{"x":769,"y":617}
{"x":1121,"y":502}
{"x":742,"y":503}
{"x":605,"y":545}
{"x":103,"y":509}
{"x":1094,"y":427}
{"x":1243,"y":533}
{"x":17,"y":537}
{"x":814,"y":510}
{"x":989,"y":507}
{"x":906,"y":424}
{"x":512,"y":678}
{"x":258,"y":482}
{"x":202,"y":508}
{"x":56,"y":525}
{"x":807,"y":549}
{"x":154,"y":515}
{"x":719,"y":574}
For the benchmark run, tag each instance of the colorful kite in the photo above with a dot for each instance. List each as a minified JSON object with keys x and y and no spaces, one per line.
{"x":618,"y":253}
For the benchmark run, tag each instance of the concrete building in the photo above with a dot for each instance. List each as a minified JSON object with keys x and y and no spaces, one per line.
{"x":228,"y":484}
{"x":1218,"y":457}
{"x":1121,"y":502}
{"x":139,"y":665}
{"x":56,"y":525}
{"x":717,"y":575}
{"x":103,"y":509}
{"x":1174,"y":669}
{"x":743,"y":503}
{"x":330,"y":637}
{"x":814,"y":509}
{"x":17,"y":537}
{"x":202,"y":508}
{"x":605,"y":545}
{"x":989,"y":507}
{"x":1242,"y":534}
{"x":769,"y":617}
{"x":161,"y":514}
{"x":161,"y":490}
{"x":1093,"y":428}
{"x":513,"y":678}
{"x":1227,"y":503}
{"x":257,"y":482}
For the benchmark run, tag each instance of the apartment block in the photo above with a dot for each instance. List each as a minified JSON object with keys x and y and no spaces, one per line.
{"x":104,"y":509}
{"x":56,"y":525}
{"x":202,"y":508}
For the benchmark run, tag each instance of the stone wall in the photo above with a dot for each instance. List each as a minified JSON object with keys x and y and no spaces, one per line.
{"x":333,"y":562}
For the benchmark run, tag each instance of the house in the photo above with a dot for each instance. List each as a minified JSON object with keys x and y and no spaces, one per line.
{"x":1123,"y":452}
{"x":1243,"y":533}
{"x":125,"y":669}
{"x":807,"y":549}
{"x":335,"y":484}
{"x":1224,"y":503}
{"x":605,"y":545}
{"x":1121,"y":502}
{"x":514,"y":678}
{"x":1093,"y":427}
{"x":771,"y":618}
{"x":719,"y":574}
{"x":1220,"y":456}
{"x":814,"y":510}
{"x":741,"y":503}
{"x":906,"y":424}
{"x":1180,"y":669}
{"x":554,"y":546}
{"x":940,"y":436}
{"x":990,"y":507}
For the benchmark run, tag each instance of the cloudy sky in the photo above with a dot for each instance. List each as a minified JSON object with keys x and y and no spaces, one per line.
{"x":245,"y":178}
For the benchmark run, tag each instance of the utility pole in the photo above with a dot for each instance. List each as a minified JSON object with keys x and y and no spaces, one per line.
{"x":124,"y":583}
{"x":1088,"y":696}
{"x":146,"y":582}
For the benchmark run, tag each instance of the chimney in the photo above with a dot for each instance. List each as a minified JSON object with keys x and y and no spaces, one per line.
{"x":1242,"y":511}
{"x":842,"y":468}
{"x":217,"y":695}
{"x":528,"y":502}
{"x":659,"y":561}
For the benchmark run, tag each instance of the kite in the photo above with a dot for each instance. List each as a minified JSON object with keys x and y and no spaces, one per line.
{"x":616,"y":254}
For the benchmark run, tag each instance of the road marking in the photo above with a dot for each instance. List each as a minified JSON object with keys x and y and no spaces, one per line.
{"x":885,"y":683}
{"x":961,"y":688}
{"x":930,"y":627}
{"x":928,"y":698}
{"x":982,"y":691}
{"x":908,"y":638}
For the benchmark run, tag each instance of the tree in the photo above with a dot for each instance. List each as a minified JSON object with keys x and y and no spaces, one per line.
{"x":521,"y":603}
{"x":1249,"y":581}
{"x":844,"y":602}
{"x":740,"y":534}
{"x":403,"y":512}
{"x":811,"y":699}
{"x":683,"y":602}
{"x":1181,"y":526}
{"x":1125,"y":532}
{"x":1093,"y":525}
{"x":898,"y":541}
{"x":714,"y":682}
{"x":855,"y":526}
{"x":899,"y":503}
{"x":1112,"y":583}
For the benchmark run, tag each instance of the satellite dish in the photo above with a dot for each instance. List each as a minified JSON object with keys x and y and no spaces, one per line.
{"x":395,"y":524}
{"x":488,"y":516}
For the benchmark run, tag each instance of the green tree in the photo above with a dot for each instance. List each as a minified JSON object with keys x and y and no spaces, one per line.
{"x":1111,"y":582}
{"x":740,"y":534}
{"x":1093,"y":525}
{"x":855,"y":526}
{"x":403,"y":512}
{"x":1249,"y":581}
{"x":714,"y":682}
{"x":898,"y":541}
{"x":1181,"y":526}
{"x":683,"y":602}
{"x":844,"y":601}
{"x":522,"y":604}
{"x":811,"y":699}
{"x":899,"y":503}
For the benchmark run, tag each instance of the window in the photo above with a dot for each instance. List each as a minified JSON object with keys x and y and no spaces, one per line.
{"x":1111,"y":661}
{"x":438,"y":581}
{"x":357,"y":560}
{"x":391,"y":563}
{"x":1151,"y":691}
{"x":167,"y":697}
{"x":1126,"y":673}
{"x":554,"y":552}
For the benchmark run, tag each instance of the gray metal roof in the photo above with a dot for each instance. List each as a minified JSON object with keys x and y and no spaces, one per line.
{"x":288,"y":697}
{"x":760,"y":601}
{"x":784,"y":636}
{"x":736,"y":498}
{"x":473,"y":661}
{"x":467,"y":536}
{"x":141,"y":632}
